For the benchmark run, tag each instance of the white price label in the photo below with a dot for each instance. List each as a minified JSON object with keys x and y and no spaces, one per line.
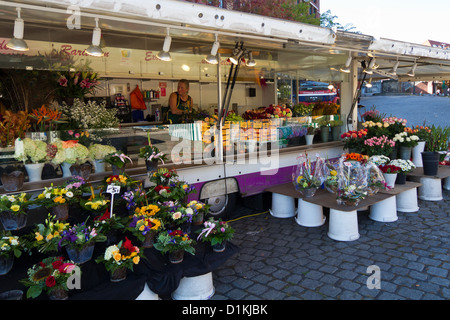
{"x":113,"y":189}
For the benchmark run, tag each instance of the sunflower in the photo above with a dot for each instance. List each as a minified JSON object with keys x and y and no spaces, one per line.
{"x":41,"y":274}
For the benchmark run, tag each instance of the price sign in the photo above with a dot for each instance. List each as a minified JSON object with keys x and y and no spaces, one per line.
{"x":112,"y":190}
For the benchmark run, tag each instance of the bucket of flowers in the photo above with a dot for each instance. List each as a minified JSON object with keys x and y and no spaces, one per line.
{"x":10,"y":247}
{"x":118,"y":162}
{"x":58,"y":200}
{"x":379,"y":146}
{"x":46,"y":236}
{"x":175,"y":243}
{"x":49,"y":275}
{"x":308,"y":177}
{"x":119,"y":258}
{"x":390,"y":172}
{"x":200,"y":211}
{"x":217,"y":233}
{"x":98,"y":152}
{"x":152,"y":155}
{"x":406,"y":166}
{"x":96,"y":205}
{"x":13,"y":210}
{"x":33,"y":153}
{"x":79,"y":241}
{"x":354,"y":139}
{"x":144,"y":228}
{"x":77,"y":185}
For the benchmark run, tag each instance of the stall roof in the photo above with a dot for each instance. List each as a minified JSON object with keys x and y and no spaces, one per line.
{"x":294,"y":49}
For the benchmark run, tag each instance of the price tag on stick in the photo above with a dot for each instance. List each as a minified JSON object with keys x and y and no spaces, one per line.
{"x":112,"y":190}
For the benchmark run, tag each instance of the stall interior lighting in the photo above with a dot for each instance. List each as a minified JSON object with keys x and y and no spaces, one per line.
{"x":412,"y":72}
{"x":237,"y":54}
{"x":164,"y":54}
{"x":369,"y":84}
{"x":212,"y":57}
{"x":394,"y":69}
{"x":94,"y":49}
{"x":346,"y":67}
{"x":17,"y":43}
{"x":250,"y":62}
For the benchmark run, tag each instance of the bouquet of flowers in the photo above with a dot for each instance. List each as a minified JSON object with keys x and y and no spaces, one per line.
{"x":164,"y":176}
{"x":352,"y":182}
{"x":379,"y":160}
{"x":376,"y":129}
{"x":375,"y":178}
{"x":123,"y":254}
{"x":90,"y":115}
{"x":121,"y":180}
{"x":396,"y":125}
{"x":405,"y":166}
{"x":31,"y":151}
{"x":389,"y":168}
{"x":54,"y":196}
{"x":45,"y":119}
{"x":77,"y":83}
{"x":96,"y":204}
{"x":10,"y":245}
{"x":70,"y":151}
{"x":354,"y":139}
{"x":17,"y":204}
{"x":100,"y":151}
{"x":119,"y":160}
{"x":421,"y":131}
{"x":307,"y":178}
{"x":135,"y":198}
{"x":406,"y":139}
{"x":371,"y":115}
{"x":77,"y":185}
{"x":174,"y":240}
{"x":215,"y":232}
{"x":80,"y":236}
{"x":46,"y":235}
{"x":379,"y":146}
{"x":48,"y":275}
{"x":200,"y":210}
{"x":140,"y":226}
{"x":331,"y":176}
{"x":150,"y":210}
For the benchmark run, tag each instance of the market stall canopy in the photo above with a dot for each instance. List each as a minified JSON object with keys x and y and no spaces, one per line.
{"x":285,"y":48}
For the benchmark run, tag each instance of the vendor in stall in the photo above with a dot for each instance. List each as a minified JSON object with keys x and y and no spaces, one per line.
{"x":180,"y":103}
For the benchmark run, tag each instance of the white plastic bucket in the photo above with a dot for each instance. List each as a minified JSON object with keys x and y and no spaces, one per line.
{"x":195,"y":288}
{"x":282,"y":206}
{"x":417,"y":154}
{"x":407,"y":201}
{"x":446,"y":184}
{"x":343,"y":225}
{"x":431,"y":189}
{"x":309,"y":214}
{"x":147,"y":294}
{"x":384,"y":211}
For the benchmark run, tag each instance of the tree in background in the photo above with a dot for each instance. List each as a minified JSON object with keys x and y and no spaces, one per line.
{"x":328,"y":20}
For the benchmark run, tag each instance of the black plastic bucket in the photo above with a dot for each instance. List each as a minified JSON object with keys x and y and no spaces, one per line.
{"x":430,"y":162}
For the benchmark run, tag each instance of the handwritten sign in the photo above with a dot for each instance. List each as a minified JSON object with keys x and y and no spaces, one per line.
{"x":112,"y":189}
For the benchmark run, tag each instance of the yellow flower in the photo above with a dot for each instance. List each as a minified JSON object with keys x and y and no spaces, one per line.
{"x":59,"y":199}
{"x":333,"y":172}
{"x":299,"y":178}
{"x":38,"y":237}
{"x":136,"y":260}
{"x":49,"y":237}
{"x":141,"y":228}
{"x":15,"y":207}
{"x":117,"y":256}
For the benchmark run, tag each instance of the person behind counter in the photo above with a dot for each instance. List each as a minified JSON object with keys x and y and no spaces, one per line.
{"x":180,"y":102}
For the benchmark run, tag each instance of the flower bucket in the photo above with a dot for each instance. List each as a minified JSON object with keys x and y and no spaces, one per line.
{"x":195,"y":288}
{"x":430,"y":162}
{"x":219,"y":247}
{"x":308,"y":193}
{"x":197,"y":219}
{"x":336,"y":133}
{"x":149,"y":240}
{"x":176,"y":256}
{"x":390,"y":179}
{"x":324,"y":133}
{"x":13,"y":181}
{"x":34,"y":171}
{"x":116,"y":170}
{"x":151,"y":165}
{"x":6,"y":264}
{"x":13,"y":221}
{"x":81,"y":256}
{"x":81,"y":170}
{"x":309,"y":139}
{"x":417,"y":154}
{"x":99,"y":166}
{"x":61,"y":212}
{"x":58,"y":293}
{"x":405,"y":153}
{"x":401,"y":178}
{"x":65,"y":167}
{"x":118,"y":274}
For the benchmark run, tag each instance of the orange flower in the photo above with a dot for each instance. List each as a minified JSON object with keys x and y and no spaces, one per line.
{"x":69,"y":143}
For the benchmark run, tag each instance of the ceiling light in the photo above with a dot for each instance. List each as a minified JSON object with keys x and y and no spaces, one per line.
{"x":251,"y":62}
{"x":346,"y":67}
{"x":369,"y":84}
{"x":164,"y":54}
{"x":94,"y":49}
{"x":17,"y":43}
{"x":412,"y":72}
{"x":212,"y":57}
{"x":237,"y":53}
{"x":394,"y":69}
{"x":369,"y":69}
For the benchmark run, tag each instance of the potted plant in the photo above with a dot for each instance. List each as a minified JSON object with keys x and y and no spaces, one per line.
{"x":378,"y":146}
{"x":200,"y":211}
{"x":324,"y":125}
{"x":72,"y":155}
{"x":98,"y":152}
{"x":13,"y":210}
{"x":311,"y":130}
{"x":217,"y":233}
{"x":390,"y":174}
{"x":354,"y":140}
{"x":46,"y":236}
{"x":406,"y":166}
{"x":79,"y":241}
{"x":119,"y":258}
{"x":436,"y":143}
{"x":175,"y":243}
{"x":422,"y":132}
{"x":95,"y":205}
{"x":49,"y":275}
{"x":164,"y":176}
{"x":33,"y":153}
{"x":58,"y":200}
{"x":152,"y":155}
{"x":336,"y":129}
{"x":145,"y":228}
{"x":10,"y":247}
{"x":118,"y":162}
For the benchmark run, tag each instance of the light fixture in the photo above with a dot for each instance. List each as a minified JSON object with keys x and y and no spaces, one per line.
{"x":164,"y":54}
{"x":412,"y":72}
{"x":346,"y":67}
{"x":371,"y":67}
{"x":394,"y":69}
{"x":369,"y":84}
{"x":94,"y":49}
{"x":17,"y":43}
{"x":250,"y":62}
{"x":237,"y":53}
{"x":212,"y":57}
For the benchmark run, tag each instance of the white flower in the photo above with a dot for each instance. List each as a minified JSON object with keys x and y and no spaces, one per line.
{"x":69,"y":194}
{"x":109,"y":251}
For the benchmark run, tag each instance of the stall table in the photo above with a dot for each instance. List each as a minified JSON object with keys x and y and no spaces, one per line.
{"x":431,"y":189}
{"x":406,"y":196}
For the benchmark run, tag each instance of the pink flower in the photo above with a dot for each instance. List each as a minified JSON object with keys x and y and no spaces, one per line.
{"x":63,"y":81}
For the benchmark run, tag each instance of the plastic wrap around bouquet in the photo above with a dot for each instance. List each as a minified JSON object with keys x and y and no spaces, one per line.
{"x":375,"y":178}
{"x":307,"y":177}
{"x":352,"y":182}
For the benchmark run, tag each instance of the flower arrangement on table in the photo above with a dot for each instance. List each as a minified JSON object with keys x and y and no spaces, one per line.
{"x":31,"y":151}
{"x":169,"y":241}
{"x":99,"y":151}
{"x":375,"y":178}
{"x":389,"y":168}
{"x":379,"y":160}
{"x":142,"y":227}
{"x":376,"y":129}
{"x":10,"y":245}
{"x":45,"y":119}
{"x":97,"y":204}
{"x":135,"y":198}
{"x":77,"y":83}
{"x":46,"y":235}
{"x":77,"y":185}
{"x":307,"y":178}
{"x":177,"y":216}
{"x":17,"y":204}
{"x":216,"y":232}
{"x":422,"y":132}
{"x":406,"y":166}
{"x":70,"y":151}
{"x":164,"y":176}
{"x":119,"y":160}
{"x":54,"y":196}
{"x":200,"y":210}
{"x":379,"y":146}
{"x":396,"y":125}
{"x":151,"y":153}
{"x":406,"y":139}
{"x":122,"y":180}
{"x":352,"y":180}
{"x":121,"y":255}
{"x":48,"y":275}
{"x":354,"y":139}
{"x":80,"y":236}
{"x":331,"y":177}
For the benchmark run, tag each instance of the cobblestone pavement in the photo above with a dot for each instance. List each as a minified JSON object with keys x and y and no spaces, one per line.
{"x":281,"y":260}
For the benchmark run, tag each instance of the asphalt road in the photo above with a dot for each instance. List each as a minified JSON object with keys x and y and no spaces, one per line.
{"x":416,"y":109}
